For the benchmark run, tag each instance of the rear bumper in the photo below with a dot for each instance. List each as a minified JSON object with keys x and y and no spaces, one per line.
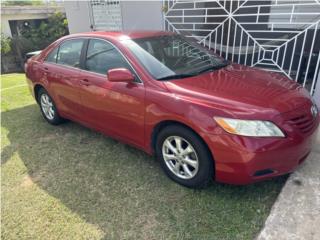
{"x":243,"y":160}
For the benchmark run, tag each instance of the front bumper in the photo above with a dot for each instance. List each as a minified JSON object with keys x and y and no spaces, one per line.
{"x":243,"y":160}
{"x":30,"y":86}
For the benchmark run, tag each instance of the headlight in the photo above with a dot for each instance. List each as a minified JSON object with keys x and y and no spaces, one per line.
{"x":251,"y":128}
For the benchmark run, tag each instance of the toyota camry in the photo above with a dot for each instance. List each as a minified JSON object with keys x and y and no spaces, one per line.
{"x":202,"y":116}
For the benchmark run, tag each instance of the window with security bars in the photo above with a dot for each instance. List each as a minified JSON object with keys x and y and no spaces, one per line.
{"x":106,"y":15}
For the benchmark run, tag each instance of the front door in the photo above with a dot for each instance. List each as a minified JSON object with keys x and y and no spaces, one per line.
{"x":117,"y":108}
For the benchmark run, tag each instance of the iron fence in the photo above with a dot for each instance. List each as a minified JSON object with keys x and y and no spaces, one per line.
{"x":276,"y":35}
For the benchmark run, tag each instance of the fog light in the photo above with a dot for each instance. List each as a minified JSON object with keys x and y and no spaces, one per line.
{"x":263,"y":172}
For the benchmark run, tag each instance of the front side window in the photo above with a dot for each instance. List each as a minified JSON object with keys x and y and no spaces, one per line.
{"x":102,"y":56}
{"x":52,"y":56}
{"x":173,"y":56}
{"x":69,"y":53}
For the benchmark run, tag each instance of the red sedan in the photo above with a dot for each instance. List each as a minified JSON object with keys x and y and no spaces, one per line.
{"x":202,"y":116}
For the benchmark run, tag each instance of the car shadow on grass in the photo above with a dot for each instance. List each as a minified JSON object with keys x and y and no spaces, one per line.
{"x":123,"y":190}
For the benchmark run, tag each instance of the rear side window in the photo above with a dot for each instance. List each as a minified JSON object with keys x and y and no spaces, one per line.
{"x":52,"y":57}
{"x":102,"y":56}
{"x":69,"y":53}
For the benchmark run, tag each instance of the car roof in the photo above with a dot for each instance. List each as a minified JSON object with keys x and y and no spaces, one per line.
{"x":118,"y":35}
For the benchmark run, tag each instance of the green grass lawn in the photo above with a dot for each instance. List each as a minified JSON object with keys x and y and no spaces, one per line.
{"x":69,"y":182}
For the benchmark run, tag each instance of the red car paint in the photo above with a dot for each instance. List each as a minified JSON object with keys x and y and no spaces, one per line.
{"x":131,"y":111}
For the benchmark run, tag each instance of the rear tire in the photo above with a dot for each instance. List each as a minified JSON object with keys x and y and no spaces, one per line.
{"x":184,"y":157}
{"x":48,"y":108}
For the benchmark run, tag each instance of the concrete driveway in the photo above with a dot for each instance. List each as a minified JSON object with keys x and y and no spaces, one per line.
{"x":296,"y":213}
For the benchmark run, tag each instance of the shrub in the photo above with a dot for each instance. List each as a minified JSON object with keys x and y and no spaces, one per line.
{"x":22,"y":2}
{"x":5,"y":44}
{"x":44,"y":34}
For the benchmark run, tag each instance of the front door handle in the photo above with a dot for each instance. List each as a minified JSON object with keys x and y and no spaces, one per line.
{"x":85,"y":82}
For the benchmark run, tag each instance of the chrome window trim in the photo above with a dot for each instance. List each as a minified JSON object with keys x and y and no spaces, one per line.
{"x":102,"y":39}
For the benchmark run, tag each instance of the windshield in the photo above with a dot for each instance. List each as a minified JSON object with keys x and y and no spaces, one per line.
{"x":173,"y":56}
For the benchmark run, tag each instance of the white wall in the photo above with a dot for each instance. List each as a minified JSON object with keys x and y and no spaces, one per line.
{"x":137,"y":15}
{"x":316,"y":95}
{"x":142,"y":15}
{"x":77,"y":13}
{"x":5,"y":27}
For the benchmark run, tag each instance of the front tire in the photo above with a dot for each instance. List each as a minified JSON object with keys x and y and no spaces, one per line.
{"x":184,"y":157}
{"x":48,"y":108}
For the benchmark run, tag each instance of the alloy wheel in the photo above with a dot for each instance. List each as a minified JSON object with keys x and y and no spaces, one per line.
{"x":47,"y":106}
{"x":180,"y":157}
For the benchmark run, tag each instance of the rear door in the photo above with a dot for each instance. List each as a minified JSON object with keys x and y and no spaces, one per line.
{"x":62,"y":69}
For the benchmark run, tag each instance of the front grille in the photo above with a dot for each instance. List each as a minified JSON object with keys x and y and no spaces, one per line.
{"x":305,"y":122}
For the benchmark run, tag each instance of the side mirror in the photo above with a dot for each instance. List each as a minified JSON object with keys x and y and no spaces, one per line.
{"x":120,"y":75}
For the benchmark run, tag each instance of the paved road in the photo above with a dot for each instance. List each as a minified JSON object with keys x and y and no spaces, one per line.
{"x":296,"y":213}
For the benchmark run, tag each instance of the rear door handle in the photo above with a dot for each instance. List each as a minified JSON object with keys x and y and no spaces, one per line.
{"x":85,"y":82}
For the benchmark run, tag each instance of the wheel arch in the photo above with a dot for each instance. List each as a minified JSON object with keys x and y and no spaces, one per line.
{"x":36,"y":90}
{"x":161,"y":125}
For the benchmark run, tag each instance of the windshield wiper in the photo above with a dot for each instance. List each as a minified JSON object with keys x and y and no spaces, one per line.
{"x":176,"y":76}
{"x":221,"y":65}
{"x":185,"y":75}
{"x":211,"y":68}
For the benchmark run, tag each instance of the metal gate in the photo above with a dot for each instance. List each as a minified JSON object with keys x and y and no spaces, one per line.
{"x":105,"y":14}
{"x":276,"y":35}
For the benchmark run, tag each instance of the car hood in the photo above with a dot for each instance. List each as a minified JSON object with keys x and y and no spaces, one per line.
{"x":242,"y":89}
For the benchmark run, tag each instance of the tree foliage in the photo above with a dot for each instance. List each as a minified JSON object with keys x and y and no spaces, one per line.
{"x":5,"y":44}
{"x":22,"y":2}
{"x":40,"y":36}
